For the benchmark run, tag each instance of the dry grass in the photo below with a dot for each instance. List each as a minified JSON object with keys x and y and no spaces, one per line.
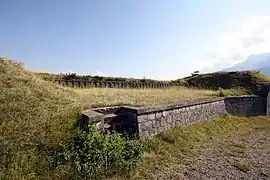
{"x":96,"y":97}
{"x":36,"y":115}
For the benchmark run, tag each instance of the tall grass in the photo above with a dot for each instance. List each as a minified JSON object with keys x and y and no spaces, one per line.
{"x":94,"y":97}
{"x":38,"y":122}
{"x":97,"y":97}
{"x":36,"y":116}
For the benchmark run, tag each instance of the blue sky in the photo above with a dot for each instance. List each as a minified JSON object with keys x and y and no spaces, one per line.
{"x":161,"y":39}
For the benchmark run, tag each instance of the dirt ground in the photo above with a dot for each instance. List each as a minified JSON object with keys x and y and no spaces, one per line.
{"x":246,"y":157}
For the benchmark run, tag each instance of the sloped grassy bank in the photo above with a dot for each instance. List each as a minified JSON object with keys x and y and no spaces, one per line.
{"x":39,"y":138}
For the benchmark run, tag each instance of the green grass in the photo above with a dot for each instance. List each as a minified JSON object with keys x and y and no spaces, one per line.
{"x":175,"y":146}
{"x":248,"y":80}
{"x":36,"y":115}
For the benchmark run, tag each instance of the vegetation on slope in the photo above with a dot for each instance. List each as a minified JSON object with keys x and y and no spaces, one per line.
{"x":35,"y":115}
{"x":249,"y":80}
{"x":37,"y":125}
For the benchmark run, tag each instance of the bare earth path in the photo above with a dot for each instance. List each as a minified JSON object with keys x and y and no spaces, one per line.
{"x":246,"y":157}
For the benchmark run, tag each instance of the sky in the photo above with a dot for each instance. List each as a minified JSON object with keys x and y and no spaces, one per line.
{"x":158,"y":39}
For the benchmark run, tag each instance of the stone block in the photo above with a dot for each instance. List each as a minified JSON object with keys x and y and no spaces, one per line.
{"x":142,"y":118}
{"x":158,"y":115}
{"x":148,"y":124}
{"x":151,"y":116}
{"x":90,"y":117}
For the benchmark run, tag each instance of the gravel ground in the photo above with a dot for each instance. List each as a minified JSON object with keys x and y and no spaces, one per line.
{"x":246,"y":157}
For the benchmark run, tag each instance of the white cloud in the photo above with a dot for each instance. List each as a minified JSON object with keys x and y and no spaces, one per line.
{"x":234,"y":47}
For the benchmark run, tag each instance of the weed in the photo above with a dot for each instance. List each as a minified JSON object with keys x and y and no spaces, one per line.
{"x":242,"y":167}
{"x":95,"y":155}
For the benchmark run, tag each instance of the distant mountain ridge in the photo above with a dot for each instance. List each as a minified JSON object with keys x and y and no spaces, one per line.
{"x":257,"y":62}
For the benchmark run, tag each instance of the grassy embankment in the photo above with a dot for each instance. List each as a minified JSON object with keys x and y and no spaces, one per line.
{"x":37,"y":115}
{"x":249,"y":80}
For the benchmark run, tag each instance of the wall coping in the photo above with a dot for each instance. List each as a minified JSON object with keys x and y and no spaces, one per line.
{"x":93,"y":81}
{"x":177,"y":105}
{"x":92,"y":116}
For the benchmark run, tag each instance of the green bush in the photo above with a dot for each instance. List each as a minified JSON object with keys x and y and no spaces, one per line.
{"x":69,"y":76}
{"x":93,"y":154}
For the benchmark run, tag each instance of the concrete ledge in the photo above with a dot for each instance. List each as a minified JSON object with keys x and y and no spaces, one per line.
{"x":92,"y":116}
{"x":107,"y":110}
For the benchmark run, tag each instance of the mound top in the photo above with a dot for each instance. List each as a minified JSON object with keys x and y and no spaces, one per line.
{"x":249,"y":80}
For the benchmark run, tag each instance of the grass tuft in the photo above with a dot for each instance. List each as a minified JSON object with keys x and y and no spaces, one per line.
{"x":242,"y":167}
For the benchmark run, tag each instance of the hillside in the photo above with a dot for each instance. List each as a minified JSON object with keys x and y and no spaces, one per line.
{"x":249,"y":80}
{"x":35,"y":116}
{"x":257,"y":62}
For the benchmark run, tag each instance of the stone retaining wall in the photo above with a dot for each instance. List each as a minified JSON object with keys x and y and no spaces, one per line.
{"x":153,"y":120}
{"x":113,"y":84}
{"x":245,"y":106}
{"x":149,"y":121}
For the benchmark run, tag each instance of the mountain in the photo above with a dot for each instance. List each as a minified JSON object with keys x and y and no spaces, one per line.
{"x":257,"y":62}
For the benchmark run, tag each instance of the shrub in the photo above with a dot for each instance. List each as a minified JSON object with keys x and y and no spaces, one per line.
{"x":69,"y":76}
{"x":93,"y":154}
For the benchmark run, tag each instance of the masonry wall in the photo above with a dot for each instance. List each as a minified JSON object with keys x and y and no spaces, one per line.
{"x":246,"y":106}
{"x":113,"y":84}
{"x":152,"y":121}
